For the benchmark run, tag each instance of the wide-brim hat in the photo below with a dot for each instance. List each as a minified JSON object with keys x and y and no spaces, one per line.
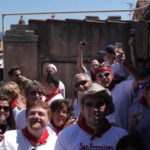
{"x":97,"y":89}
{"x":93,"y":89}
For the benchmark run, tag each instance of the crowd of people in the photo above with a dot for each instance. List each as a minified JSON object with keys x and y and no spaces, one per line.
{"x":109,"y":110}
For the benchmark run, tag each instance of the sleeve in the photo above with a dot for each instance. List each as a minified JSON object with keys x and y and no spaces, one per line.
{"x":61,"y":143}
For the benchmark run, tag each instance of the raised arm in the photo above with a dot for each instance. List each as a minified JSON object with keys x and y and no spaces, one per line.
{"x":132,"y":45}
{"x":80,"y":66}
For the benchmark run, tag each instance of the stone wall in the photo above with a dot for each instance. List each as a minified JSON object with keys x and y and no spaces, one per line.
{"x":40,"y":42}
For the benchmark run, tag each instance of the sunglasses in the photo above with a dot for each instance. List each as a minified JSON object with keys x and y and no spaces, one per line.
{"x":34,"y":93}
{"x":104,"y":74}
{"x":144,"y":85}
{"x":5,"y":108}
{"x":94,"y":105}
{"x":83,"y":82}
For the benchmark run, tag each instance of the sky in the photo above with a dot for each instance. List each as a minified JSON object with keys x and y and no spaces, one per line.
{"x":31,"y":6}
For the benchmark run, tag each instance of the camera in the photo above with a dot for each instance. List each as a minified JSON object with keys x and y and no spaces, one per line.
{"x":83,"y":42}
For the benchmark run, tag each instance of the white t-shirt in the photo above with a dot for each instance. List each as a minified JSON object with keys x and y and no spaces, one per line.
{"x":75,"y":138}
{"x":76,"y":109}
{"x":61,"y":86}
{"x":15,"y":140}
{"x":16,"y":112}
{"x":122,"y":98}
{"x":21,"y":119}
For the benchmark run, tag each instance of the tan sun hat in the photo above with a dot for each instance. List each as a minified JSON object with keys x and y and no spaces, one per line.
{"x":96,"y":89}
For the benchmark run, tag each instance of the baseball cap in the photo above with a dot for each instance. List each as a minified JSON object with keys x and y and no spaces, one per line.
{"x":108,"y":49}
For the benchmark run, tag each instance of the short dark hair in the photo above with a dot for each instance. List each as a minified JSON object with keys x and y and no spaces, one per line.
{"x":60,"y":104}
{"x":52,"y":79}
{"x":143,"y":73}
{"x":11,"y":71}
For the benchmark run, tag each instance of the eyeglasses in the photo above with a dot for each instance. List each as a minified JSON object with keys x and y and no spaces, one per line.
{"x":144,"y":85}
{"x":5,"y":108}
{"x":94,"y":104}
{"x":83,"y":82}
{"x":34,"y":93}
{"x":104,"y":74}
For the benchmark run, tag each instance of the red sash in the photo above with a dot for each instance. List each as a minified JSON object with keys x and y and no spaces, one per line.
{"x":32,"y":138}
{"x":106,"y":126}
{"x":48,"y":97}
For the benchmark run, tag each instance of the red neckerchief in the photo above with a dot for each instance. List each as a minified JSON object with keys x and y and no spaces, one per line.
{"x":13,"y":103}
{"x":48,"y":97}
{"x":58,"y":129}
{"x":143,"y":101}
{"x":32,"y":138}
{"x":106,"y":126}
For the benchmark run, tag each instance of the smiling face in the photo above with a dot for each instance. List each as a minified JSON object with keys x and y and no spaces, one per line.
{"x":60,"y":116}
{"x":104,"y":78}
{"x":94,"y":110}
{"x":37,"y":118}
{"x":4,"y":110}
{"x":82,"y":82}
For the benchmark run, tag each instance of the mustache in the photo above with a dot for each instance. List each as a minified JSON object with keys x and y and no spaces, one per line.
{"x":35,"y":120}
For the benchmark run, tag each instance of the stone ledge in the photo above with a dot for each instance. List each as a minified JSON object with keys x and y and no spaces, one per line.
{"x":21,"y":38}
{"x":15,"y":27}
{"x":19,"y":32}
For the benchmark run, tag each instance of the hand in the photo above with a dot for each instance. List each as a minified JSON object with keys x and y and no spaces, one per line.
{"x":133,"y":121}
{"x":21,"y":102}
{"x":82,"y":45}
{"x":69,"y":122}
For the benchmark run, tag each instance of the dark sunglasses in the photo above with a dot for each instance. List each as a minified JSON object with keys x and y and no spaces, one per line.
{"x":83,"y":82}
{"x":33,"y":93}
{"x":104,"y":74}
{"x":144,"y":85}
{"x":5,"y":108}
{"x":95,"y":105}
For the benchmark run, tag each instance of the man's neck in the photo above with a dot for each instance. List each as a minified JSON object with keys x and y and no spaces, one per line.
{"x":96,"y":127}
{"x":37,"y":133}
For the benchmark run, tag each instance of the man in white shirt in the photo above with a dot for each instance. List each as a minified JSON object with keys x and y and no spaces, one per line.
{"x":35,"y":135}
{"x":92,"y":131}
{"x":122,"y":94}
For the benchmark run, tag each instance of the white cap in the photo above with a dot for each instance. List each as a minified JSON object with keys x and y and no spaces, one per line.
{"x":52,"y":66}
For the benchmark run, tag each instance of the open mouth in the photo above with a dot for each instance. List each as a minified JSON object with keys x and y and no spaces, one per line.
{"x":35,"y":124}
